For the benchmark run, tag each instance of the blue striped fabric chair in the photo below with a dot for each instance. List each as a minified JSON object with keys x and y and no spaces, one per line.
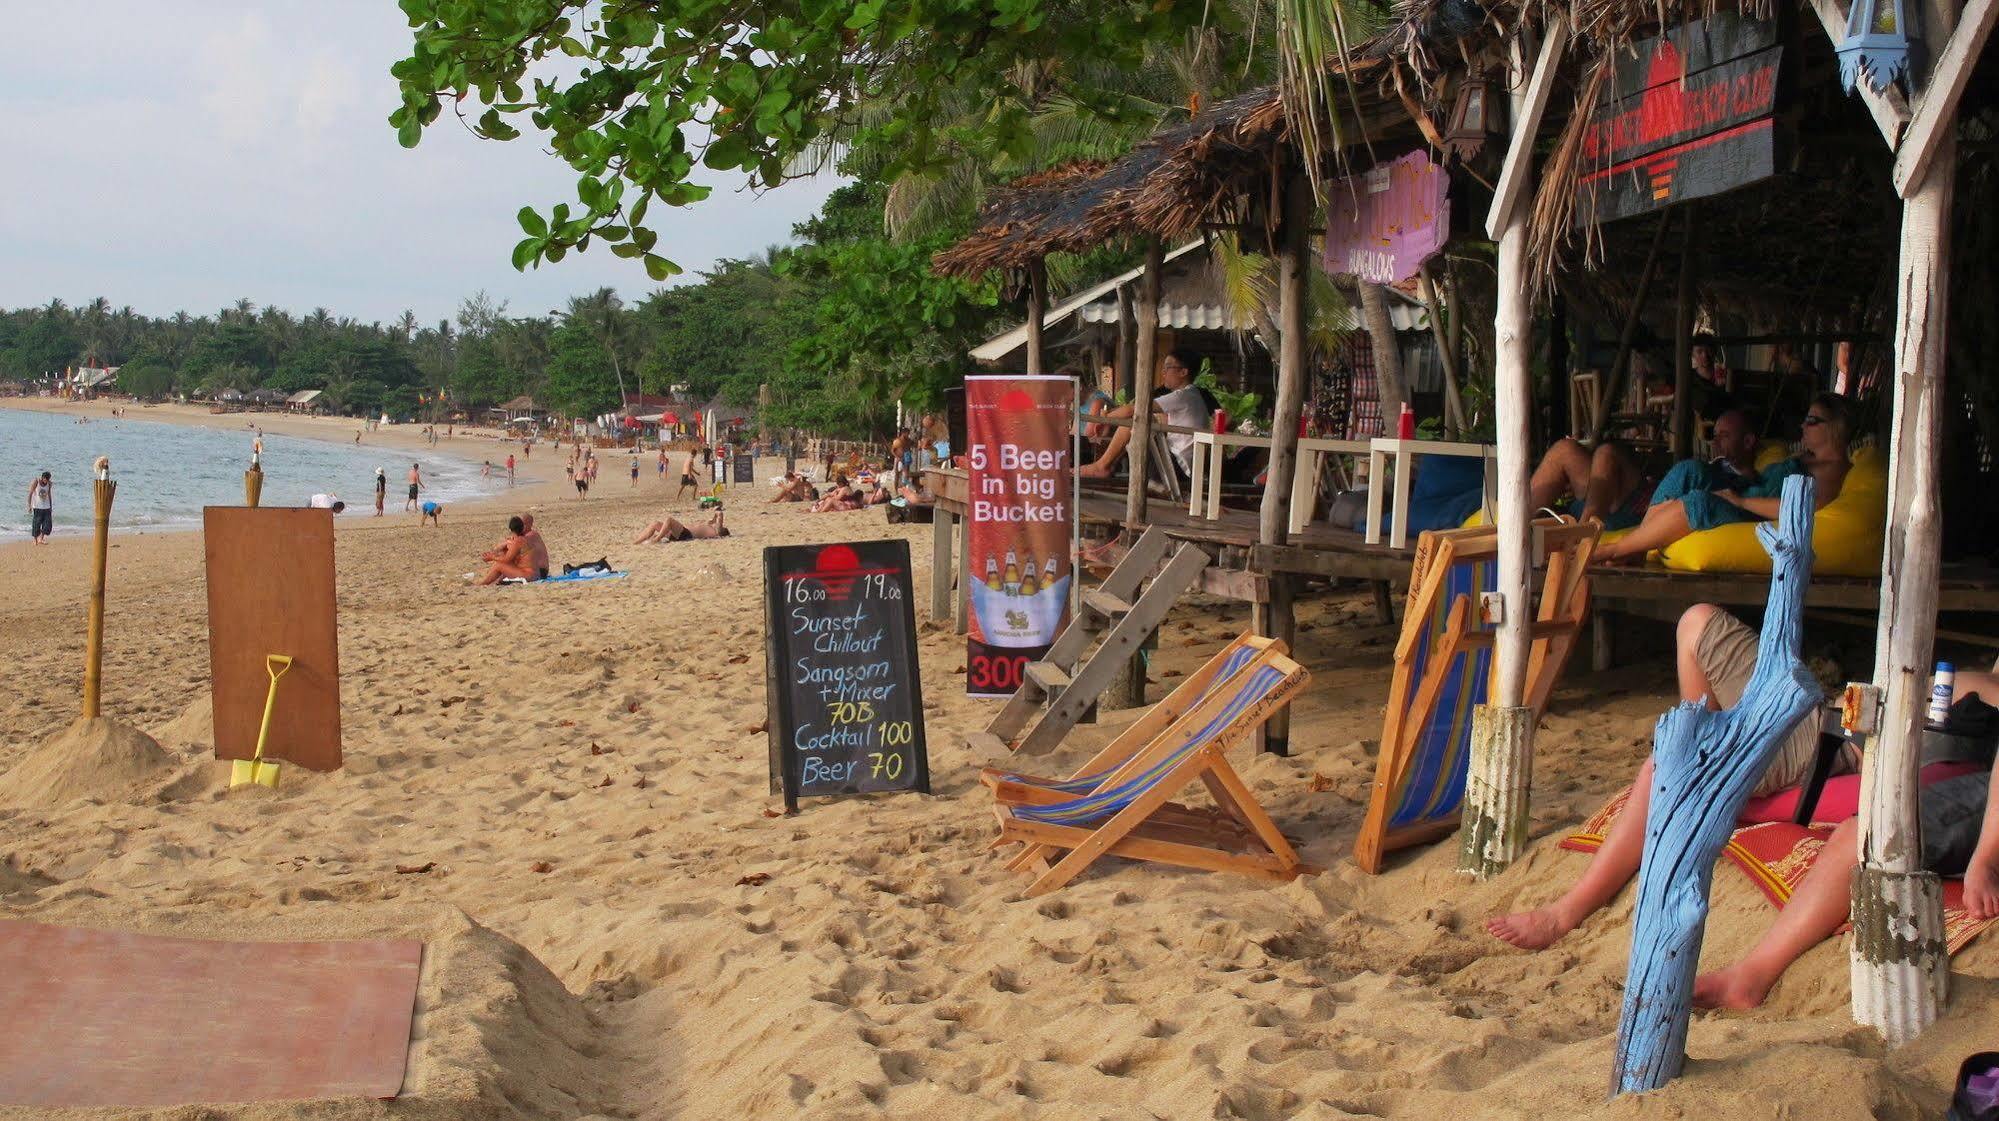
{"x":1128,"y":810}
{"x":1443,"y":670}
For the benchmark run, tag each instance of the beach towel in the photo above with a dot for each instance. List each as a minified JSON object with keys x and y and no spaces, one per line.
{"x":579,"y":574}
{"x":1775,"y":855}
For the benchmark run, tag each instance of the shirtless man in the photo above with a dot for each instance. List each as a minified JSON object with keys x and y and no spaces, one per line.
{"x":416,"y":484}
{"x":687,"y":478}
{"x":794,"y":488}
{"x":508,"y":558}
{"x":533,"y":549}
{"x":671,"y":530}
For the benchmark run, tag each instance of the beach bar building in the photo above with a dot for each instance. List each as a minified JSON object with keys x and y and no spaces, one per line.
{"x":1766,"y":171}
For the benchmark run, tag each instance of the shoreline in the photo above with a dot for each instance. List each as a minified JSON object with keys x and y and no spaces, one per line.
{"x":464,"y":445}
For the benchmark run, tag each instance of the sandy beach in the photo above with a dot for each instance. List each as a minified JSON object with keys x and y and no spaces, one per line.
{"x":610,"y":733}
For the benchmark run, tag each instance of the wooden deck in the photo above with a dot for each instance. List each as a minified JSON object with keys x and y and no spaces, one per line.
{"x":1324,"y":551}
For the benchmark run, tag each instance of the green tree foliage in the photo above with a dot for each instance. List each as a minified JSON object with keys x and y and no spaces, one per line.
{"x":725,"y":335}
{"x":579,"y":373}
{"x":740,"y":86}
{"x":46,"y":343}
{"x":148,"y":377}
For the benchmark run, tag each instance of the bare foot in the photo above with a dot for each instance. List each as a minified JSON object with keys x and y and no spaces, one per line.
{"x":1530,"y":930}
{"x":1733,"y":988}
{"x":1094,"y":471}
{"x":1981,"y":890}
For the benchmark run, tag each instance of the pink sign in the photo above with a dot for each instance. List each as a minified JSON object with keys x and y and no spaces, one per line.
{"x":1382,"y":224}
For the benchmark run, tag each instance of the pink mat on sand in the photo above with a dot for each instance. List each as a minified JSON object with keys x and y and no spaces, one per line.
{"x":109,"y":1018}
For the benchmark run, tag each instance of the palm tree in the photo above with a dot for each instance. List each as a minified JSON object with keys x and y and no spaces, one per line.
{"x":602,"y":314}
{"x":406,"y":324}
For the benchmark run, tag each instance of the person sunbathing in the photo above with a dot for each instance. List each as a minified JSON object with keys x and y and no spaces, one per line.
{"x":1960,"y":831}
{"x":1714,"y":654}
{"x":534,"y":550}
{"x":840,"y":496}
{"x":672,"y":530}
{"x":1821,"y":453}
{"x":508,"y":558}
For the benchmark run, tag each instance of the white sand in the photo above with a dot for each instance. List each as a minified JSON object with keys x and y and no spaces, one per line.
{"x":888,"y":966}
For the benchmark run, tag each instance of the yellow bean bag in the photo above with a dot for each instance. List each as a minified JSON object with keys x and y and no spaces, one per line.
{"x":1846,"y":535}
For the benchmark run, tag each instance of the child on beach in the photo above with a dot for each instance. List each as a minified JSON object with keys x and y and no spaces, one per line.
{"x":430,"y":512}
{"x":635,"y":470}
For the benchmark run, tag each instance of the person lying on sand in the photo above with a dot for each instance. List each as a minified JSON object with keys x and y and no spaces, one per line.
{"x":1960,"y":831}
{"x":1715,"y":655}
{"x":672,"y":530}
{"x":508,"y":557}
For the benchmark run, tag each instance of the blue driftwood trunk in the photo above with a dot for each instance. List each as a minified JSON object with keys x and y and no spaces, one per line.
{"x":1704,"y":766}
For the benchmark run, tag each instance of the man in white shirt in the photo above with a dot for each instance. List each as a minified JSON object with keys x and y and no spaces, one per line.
{"x":1180,"y":403}
{"x":326,"y":502}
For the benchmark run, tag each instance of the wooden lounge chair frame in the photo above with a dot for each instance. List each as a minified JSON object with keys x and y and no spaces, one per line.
{"x":1564,"y":549}
{"x":1234,"y":836}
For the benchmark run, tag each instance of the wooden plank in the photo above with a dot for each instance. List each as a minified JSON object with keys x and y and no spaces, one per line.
{"x":1245,"y":587}
{"x":1048,"y":676}
{"x":270,"y":591}
{"x":1936,"y":109}
{"x":1518,"y":172}
{"x":1105,"y":604}
{"x":1890,"y":111}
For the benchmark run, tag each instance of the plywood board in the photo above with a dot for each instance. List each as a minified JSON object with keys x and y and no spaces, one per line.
{"x":111,"y":1018}
{"x":270,"y":591}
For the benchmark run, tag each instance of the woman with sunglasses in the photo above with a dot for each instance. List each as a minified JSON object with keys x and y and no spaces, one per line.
{"x":1821,"y":452}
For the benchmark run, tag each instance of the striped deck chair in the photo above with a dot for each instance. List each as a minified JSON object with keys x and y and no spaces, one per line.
{"x":1443,"y":668}
{"x":1130,"y":812}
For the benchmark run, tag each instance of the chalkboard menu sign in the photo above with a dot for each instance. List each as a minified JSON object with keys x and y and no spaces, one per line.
{"x":846,"y":704}
{"x":746,"y":468}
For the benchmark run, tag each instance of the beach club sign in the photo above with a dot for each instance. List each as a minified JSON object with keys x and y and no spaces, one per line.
{"x":1382,"y":224}
{"x":1692,"y":113}
{"x":1022,"y":525}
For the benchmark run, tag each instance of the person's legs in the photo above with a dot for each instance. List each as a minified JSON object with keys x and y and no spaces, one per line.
{"x":1623,"y":848}
{"x":1613,"y":474}
{"x":1821,"y":903}
{"x":1101,"y":468}
{"x":651,"y":534}
{"x":1564,"y":470}
{"x":1663,"y":525}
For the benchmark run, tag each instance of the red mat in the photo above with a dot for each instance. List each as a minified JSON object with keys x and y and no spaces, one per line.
{"x":108,"y":1018}
{"x":1775,"y":855}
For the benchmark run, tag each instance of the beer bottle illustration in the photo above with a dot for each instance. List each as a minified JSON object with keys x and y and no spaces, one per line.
{"x":1012,"y":579}
{"x":992,"y":572}
{"x":1028,"y":581}
{"x":1048,"y":572}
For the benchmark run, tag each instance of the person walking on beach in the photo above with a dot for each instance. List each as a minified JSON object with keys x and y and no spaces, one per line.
{"x":41,"y":508}
{"x":635,"y":470}
{"x":416,"y":484}
{"x":687,"y":478}
{"x":510,"y":469}
{"x":381,"y":490}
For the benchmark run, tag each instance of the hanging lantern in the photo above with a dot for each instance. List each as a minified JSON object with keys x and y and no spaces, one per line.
{"x":1476,"y":116}
{"x":1878,"y":43}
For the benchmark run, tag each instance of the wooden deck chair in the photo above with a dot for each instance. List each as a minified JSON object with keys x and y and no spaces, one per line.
{"x":1443,"y":669}
{"x":1130,"y":813}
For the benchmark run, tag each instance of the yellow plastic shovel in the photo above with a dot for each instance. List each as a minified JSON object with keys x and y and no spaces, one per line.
{"x":244,"y":772}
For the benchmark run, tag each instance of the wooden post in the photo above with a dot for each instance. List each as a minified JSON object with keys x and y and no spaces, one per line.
{"x":1899,"y":967}
{"x":103,"y":491}
{"x":253,"y":485}
{"x":1392,"y":388}
{"x":1274,"y":617}
{"x":1037,"y":307}
{"x":1683,"y":342}
{"x":1704,"y":765}
{"x":1127,"y":342}
{"x":1613,"y":387}
{"x":963,"y":606}
{"x":1447,"y":354}
{"x":1139,"y":450}
{"x":941,"y":574}
{"x":1504,"y":770}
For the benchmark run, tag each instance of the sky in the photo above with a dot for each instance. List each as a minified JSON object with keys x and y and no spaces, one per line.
{"x":181,"y":156}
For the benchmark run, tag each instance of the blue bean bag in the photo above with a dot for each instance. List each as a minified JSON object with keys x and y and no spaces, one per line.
{"x":1447,"y":490}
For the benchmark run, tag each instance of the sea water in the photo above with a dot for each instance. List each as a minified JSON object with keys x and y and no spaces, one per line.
{"x":167,"y":472}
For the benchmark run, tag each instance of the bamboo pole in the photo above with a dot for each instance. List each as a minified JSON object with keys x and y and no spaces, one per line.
{"x":1275,"y":618}
{"x":1900,"y":971}
{"x":1614,"y":385}
{"x":1447,"y":355}
{"x":253,"y":485}
{"x":1683,"y":342}
{"x":103,"y":490}
{"x":1144,"y":370}
{"x":1037,"y":309}
{"x":1501,"y":763}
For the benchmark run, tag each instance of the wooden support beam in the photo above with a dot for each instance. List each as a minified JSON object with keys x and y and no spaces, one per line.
{"x":1146,"y":364}
{"x":1511,"y":194}
{"x":1127,"y":341}
{"x":1704,"y":766}
{"x":1037,"y":310}
{"x":1447,"y":352}
{"x":1275,"y":617}
{"x":1620,"y":369}
{"x":1936,"y":108}
{"x":1898,"y":975}
{"x":1890,"y":110}
{"x":1683,"y":342}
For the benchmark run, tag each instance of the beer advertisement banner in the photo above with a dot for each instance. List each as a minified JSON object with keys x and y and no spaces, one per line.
{"x":1017,"y":570}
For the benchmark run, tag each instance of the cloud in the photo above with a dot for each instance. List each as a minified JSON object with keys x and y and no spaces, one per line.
{"x":190,"y":162}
